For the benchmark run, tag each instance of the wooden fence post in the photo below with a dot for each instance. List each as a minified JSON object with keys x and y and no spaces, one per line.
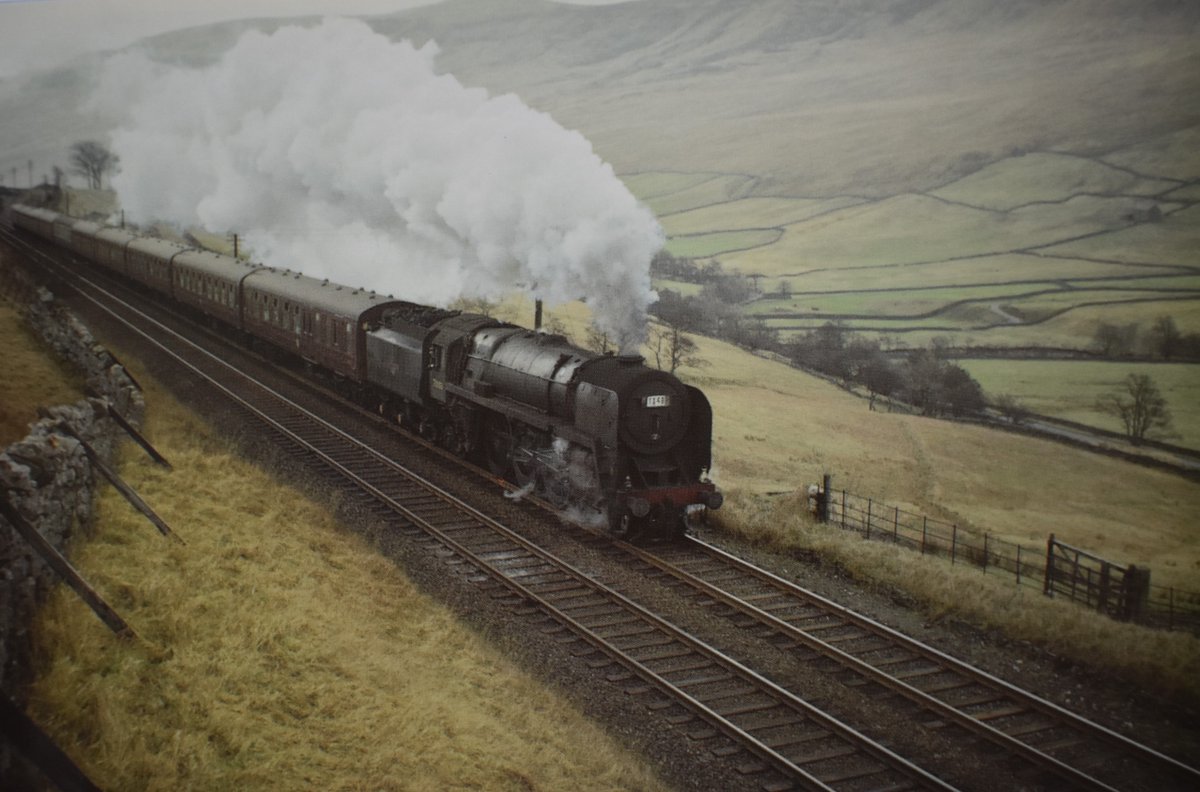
{"x":896,"y":526}
{"x":867,"y":524}
{"x":826,"y":483}
{"x":843,"y":509}
{"x":985,"y":552}
{"x":953,"y":544}
{"x":1018,"y":565}
{"x":1135,"y":593}
{"x":924,"y":529}
{"x":1048,"y":586}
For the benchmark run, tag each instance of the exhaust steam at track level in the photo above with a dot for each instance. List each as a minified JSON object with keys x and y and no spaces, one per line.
{"x":339,"y":153}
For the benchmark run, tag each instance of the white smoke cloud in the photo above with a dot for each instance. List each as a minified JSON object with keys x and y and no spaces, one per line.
{"x":339,"y":153}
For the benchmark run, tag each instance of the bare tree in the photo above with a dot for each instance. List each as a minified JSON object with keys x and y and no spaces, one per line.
{"x":599,"y":342}
{"x":1113,"y":340}
{"x":1011,"y":408}
{"x":673,"y":348}
{"x":92,"y":160}
{"x":1140,"y":406}
{"x":1165,"y":338}
{"x":477,"y":305}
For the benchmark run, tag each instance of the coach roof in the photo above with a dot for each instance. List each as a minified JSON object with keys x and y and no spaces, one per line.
{"x":332,"y":298}
{"x":219,"y":265}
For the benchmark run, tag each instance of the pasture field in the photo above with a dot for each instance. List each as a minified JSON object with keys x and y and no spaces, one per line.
{"x":885,"y":304}
{"x":1069,"y":389}
{"x":1046,"y":176}
{"x":909,"y":229}
{"x":1120,"y":230}
{"x":761,"y":212}
{"x":705,"y":190}
{"x":718,"y":242}
{"x":1005,"y":268}
{"x":277,"y":650}
{"x":1173,"y":241}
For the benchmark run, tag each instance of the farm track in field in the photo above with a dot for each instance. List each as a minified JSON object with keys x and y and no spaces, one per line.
{"x":747,"y":717}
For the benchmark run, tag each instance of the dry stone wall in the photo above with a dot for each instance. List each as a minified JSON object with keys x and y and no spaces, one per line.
{"x":49,"y":479}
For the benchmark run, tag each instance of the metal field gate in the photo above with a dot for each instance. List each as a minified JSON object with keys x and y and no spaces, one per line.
{"x":1113,"y":589}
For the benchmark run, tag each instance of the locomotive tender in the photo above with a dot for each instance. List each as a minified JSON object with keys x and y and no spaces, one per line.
{"x":603,"y":435}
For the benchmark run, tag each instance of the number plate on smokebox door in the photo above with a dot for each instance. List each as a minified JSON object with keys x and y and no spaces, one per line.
{"x":658,"y":401}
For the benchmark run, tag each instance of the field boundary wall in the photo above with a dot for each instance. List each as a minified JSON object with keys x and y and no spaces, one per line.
{"x":48,"y":477}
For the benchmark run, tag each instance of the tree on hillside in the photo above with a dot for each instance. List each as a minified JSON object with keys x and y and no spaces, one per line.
{"x":672,"y":348}
{"x":599,"y":341}
{"x":1165,"y":338}
{"x":92,"y":160}
{"x":1113,"y":340}
{"x":1140,"y":406}
{"x":937,"y":387}
{"x":1012,"y":409}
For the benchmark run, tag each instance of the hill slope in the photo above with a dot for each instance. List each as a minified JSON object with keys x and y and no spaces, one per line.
{"x":813,"y":97}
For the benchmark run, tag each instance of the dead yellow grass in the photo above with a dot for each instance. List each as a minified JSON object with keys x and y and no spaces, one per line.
{"x":32,"y":378}
{"x":278,"y":651}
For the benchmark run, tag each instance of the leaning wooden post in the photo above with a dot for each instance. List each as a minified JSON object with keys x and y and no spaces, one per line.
{"x":953,"y":544}
{"x":137,"y":436}
{"x":63,"y":568}
{"x":33,"y":743}
{"x":122,"y":487}
{"x":867,"y":523}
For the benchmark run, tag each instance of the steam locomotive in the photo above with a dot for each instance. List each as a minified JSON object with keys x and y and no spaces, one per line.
{"x":603,"y":436}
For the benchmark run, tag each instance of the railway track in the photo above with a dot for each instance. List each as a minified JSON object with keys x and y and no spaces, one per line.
{"x":1083,"y":754}
{"x":770,"y":734}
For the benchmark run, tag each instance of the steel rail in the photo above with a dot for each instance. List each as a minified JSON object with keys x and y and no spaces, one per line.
{"x":947,"y":663}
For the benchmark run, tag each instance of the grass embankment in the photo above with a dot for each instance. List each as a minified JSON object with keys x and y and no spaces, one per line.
{"x":279,"y":651}
{"x":1158,"y":662}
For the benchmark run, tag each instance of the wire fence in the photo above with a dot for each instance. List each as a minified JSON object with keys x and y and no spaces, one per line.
{"x":1091,"y":578}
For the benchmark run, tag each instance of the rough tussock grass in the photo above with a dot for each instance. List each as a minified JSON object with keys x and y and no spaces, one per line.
{"x":277,"y":651}
{"x":1166,"y":663}
{"x":32,"y":378}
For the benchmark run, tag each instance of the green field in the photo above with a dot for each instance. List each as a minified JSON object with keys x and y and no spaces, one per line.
{"x":718,"y":242}
{"x":1069,"y":389}
{"x":1032,"y":249}
{"x":1046,"y":177}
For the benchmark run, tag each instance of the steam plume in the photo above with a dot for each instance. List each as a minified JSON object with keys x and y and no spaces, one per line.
{"x":339,"y":153}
